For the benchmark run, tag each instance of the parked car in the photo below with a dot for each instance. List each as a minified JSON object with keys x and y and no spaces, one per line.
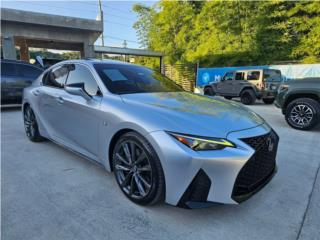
{"x":300,"y":102}
{"x":161,"y":142}
{"x":15,"y":76}
{"x":248,"y":85}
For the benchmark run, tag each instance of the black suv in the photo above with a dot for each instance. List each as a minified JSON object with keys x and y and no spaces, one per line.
{"x":300,"y":102}
{"x":15,"y":76}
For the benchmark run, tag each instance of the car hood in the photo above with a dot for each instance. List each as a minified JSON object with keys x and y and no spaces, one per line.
{"x":192,"y":113}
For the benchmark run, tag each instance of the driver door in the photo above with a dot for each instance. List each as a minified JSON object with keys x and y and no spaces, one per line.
{"x":82,"y":118}
{"x":224,"y":87}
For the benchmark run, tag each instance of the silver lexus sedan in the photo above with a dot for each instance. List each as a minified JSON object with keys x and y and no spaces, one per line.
{"x":162,"y":143}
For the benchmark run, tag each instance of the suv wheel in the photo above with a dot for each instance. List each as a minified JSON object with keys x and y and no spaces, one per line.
{"x":303,"y":113}
{"x":138,"y":170}
{"x":209,"y":91}
{"x":248,"y":97}
{"x":268,"y":100}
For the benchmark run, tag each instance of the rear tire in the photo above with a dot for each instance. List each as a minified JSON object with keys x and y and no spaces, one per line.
{"x":248,"y":97}
{"x":268,"y":100}
{"x":138,"y":170}
{"x":303,"y":113}
{"x":31,"y":125}
{"x":209,"y":91}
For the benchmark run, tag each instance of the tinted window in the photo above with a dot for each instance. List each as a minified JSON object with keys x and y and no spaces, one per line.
{"x":8,"y":69}
{"x":28,"y":71}
{"x":228,"y":76}
{"x":56,"y":77}
{"x":81,"y":74}
{"x":253,"y":75}
{"x":124,"y":79}
{"x":272,"y":75}
{"x":239,"y":76}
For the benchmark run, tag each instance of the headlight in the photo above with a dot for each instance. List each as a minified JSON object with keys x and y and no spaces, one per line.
{"x":202,"y":143}
{"x":283,"y":87}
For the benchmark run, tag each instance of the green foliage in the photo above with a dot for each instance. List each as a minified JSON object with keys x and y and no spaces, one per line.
{"x":226,"y":33}
{"x":48,"y":54}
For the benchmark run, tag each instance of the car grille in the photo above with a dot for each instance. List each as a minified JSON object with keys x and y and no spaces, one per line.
{"x":259,"y":168}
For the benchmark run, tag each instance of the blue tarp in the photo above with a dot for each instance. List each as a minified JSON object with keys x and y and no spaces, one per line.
{"x":292,"y":71}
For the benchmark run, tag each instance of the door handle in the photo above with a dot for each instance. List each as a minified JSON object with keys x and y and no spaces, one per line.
{"x":36,"y":92}
{"x":60,"y":99}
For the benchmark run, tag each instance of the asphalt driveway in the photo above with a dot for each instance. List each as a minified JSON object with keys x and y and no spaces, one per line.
{"x":50,"y":193}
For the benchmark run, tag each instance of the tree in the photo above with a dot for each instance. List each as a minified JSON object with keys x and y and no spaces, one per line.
{"x":227,"y":33}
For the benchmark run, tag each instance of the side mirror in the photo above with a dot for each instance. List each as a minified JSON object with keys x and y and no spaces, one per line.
{"x":78,"y":90}
{"x":40,"y":61}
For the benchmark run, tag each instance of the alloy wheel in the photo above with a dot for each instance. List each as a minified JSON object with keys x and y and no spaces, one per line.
{"x":301,"y":114}
{"x":133,"y":170}
{"x":29,"y":122}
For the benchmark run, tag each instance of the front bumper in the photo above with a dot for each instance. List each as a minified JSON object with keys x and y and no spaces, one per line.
{"x":194,"y":179}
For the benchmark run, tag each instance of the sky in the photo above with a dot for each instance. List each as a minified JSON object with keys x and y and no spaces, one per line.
{"x":118,"y":16}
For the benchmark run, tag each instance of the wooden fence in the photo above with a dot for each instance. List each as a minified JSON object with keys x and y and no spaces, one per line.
{"x":183,"y":74}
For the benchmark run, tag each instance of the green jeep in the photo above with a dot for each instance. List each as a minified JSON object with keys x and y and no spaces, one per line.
{"x":300,"y":102}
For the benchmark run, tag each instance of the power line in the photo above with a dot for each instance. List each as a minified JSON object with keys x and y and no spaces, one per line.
{"x":104,"y":5}
{"x":120,"y":24}
{"x":118,"y":38}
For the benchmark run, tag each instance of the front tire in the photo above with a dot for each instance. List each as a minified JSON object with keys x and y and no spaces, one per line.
{"x":268,"y":100}
{"x":303,"y":113}
{"x":248,"y":97}
{"x":31,"y":125}
{"x":209,"y":91}
{"x":138,"y":170}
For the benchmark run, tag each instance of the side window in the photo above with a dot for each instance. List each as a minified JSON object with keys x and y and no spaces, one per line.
{"x":28,"y":71}
{"x":239,"y":76}
{"x":228,"y":76}
{"x":56,"y":77}
{"x":8,"y":69}
{"x":253,"y":75}
{"x":81,"y":74}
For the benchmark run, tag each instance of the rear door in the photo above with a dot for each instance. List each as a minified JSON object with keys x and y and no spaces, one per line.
{"x":238,"y":82}
{"x":254,"y":77}
{"x":82,"y":118}
{"x":50,"y":104}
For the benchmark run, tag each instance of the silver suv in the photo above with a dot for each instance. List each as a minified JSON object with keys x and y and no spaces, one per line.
{"x":249,"y":85}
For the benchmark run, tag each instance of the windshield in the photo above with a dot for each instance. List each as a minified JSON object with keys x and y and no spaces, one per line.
{"x":125,"y":79}
{"x":271,"y":75}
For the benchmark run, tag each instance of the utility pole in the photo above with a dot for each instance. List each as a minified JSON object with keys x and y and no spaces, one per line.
{"x":101,"y":19}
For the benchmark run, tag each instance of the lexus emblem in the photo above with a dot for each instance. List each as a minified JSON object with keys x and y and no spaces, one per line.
{"x":270,"y":144}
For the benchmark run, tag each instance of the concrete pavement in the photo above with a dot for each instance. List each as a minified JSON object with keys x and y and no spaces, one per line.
{"x":51,"y":193}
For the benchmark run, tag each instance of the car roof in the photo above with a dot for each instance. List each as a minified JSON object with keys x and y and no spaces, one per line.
{"x":20,"y":62}
{"x":94,"y":61}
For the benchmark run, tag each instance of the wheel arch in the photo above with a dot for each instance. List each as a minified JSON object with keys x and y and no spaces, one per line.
{"x":295,"y":96}
{"x":24,"y":105}
{"x":113,"y":142}
{"x":208,"y":86}
{"x":248,"y":88}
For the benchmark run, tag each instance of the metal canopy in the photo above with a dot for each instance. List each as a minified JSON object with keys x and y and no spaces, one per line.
{"x":127,"y":51}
